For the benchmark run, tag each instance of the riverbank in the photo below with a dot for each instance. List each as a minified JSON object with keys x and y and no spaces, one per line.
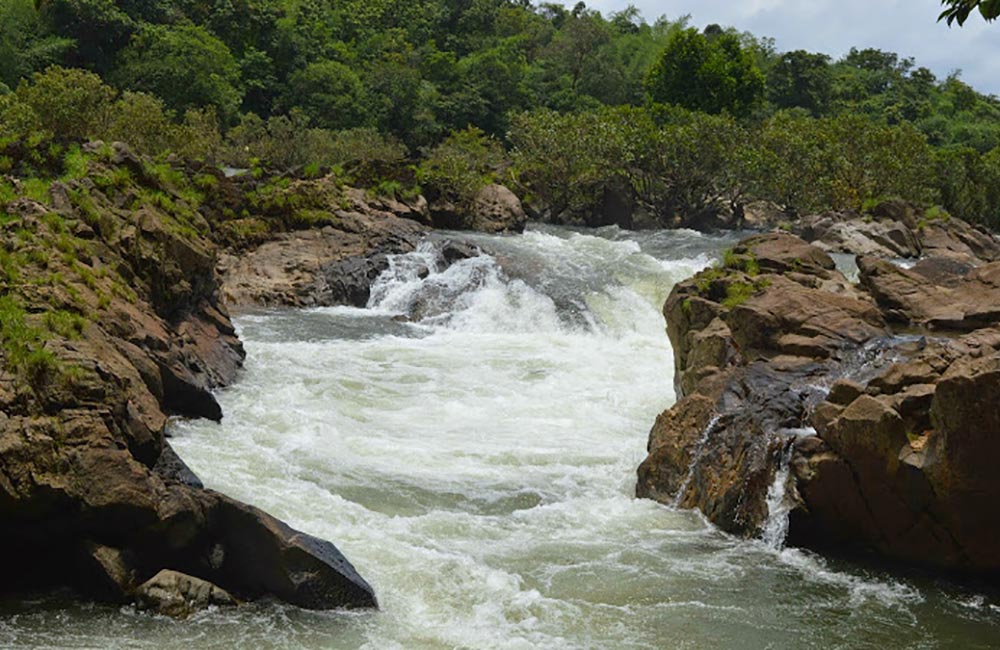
{"x":855,"y":418}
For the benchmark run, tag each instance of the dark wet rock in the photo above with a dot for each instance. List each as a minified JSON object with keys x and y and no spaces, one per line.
{"x":350,"y":280}
{"x":171,"y":468}
{"x":452,"y":251}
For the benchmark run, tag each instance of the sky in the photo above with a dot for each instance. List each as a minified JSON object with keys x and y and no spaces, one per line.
{"x":907,"y":27}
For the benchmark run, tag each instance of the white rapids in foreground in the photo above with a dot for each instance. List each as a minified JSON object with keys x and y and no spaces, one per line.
{"x":478,"y":468}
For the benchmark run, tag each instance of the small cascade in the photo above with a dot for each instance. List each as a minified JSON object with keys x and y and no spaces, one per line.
{"x":775,"y":528}
{"x":696,"y":454}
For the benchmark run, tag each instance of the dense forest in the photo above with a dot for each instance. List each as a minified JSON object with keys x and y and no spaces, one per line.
{"x":584,"y":115}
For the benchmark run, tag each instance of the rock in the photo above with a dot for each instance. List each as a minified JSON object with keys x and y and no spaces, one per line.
{"x":264,"y":556}
{"x":350,"y":280}
{"x":906,"y":437}
{"x":91,"y":494}
{"x":958,"y":240}
{"x":844,"y":391}
{"x":171,"y":468}
{"x":759,"y":360}
{"x":942,"y":271}
{"x":899,"y":229}
{"x":494,"y":209}
{"x":178,"y":595}
{"x":962,"y":303}
{"x":317,"y":267}
{"x":109,"y":573}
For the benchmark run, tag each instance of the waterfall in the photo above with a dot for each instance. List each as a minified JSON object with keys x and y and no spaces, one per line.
{"x":775,"y":528}
{"x":696,"y":454}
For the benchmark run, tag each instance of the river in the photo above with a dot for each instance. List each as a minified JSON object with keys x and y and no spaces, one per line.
{"x":477,"y":465}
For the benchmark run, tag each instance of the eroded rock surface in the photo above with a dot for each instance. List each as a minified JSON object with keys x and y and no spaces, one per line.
{"x":112,"y":321}
{"x":898,"y":229}
{"x":891,"y":436}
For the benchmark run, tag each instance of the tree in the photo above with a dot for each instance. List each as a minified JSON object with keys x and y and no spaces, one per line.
{"x":329,"y":93}
{"x":709,"y":75}
{"x":462,"y":165}
{"x":24,"y":46}
{"x":184,"y":65}
{"x":100,"y":28}
{"x":70,"y":104}
{"x":801,"y":79}
{"x":957,"y":11}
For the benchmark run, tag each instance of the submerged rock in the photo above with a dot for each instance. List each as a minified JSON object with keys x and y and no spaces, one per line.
{"x":178,"y":595}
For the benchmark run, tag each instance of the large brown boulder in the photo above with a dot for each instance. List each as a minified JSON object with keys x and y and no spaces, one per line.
{"x":754,"y":341}
{"x":102,"y":341}
{"x":495,"y":208}
{"x":906,"y":467}
{"x":938,"y":296}
{"x":890,"y":440}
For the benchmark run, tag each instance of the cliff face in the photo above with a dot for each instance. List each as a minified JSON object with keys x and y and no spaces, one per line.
{"x":877,"y":400}
{"x":111,"y":322}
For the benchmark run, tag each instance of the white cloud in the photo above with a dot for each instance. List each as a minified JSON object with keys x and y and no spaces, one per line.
{"x":907,"y":27}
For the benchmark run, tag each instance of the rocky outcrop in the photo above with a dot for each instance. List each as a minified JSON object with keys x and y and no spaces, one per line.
{"x":907,"y":466}
{"x":335,"y":261}
{"x":494,"y":209}
{"x":312,"y":268}
{"x":898,"y":229}
{"x":753,"y":344}
{"x":887,"y":437}
{"x":112,"y":320}
{"x":938,"y":293}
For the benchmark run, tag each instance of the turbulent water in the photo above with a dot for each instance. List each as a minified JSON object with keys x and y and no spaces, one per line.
{"x":476,"y":462}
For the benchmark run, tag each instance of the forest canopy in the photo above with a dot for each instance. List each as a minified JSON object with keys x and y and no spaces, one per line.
{"x":700,"y":118}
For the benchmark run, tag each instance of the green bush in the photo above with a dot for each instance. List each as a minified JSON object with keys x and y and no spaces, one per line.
{"x":462,"y":165}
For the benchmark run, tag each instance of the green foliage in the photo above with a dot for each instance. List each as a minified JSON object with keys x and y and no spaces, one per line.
{"x":25,"y":47}
{"x":706,"y":74}
{"x":957,"y":11}
{"x":801,"y":79}
{"x":68,"y":104}
{"x":23,"y":343}
{"x":184,"y":65}
{"x":461,"y":166}
{"x":329,"y":93}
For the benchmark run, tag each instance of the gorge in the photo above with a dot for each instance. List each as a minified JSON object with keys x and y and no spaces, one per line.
{"x":469,"y":440}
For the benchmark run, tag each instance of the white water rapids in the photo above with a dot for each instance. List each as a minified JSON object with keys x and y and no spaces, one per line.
{"x":477,"y":466}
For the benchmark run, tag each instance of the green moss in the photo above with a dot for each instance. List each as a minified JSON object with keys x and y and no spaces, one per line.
{"x":23,"y":345}
{"x":65,"y":323}
{"x":115,"y":178}
{"x":206,"y":182}
{"x":10,"y":264}
{"x":75,"y":163}
{"x":36,"y":189}
{"x":737,"y":293}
